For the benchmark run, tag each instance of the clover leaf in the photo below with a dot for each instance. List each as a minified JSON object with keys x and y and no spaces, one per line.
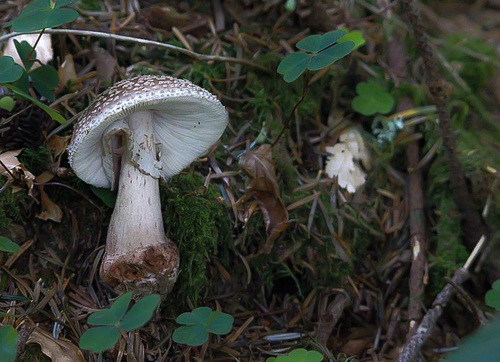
{"x":320,"y":52}
{"x":298,"y":355}
{"x":116,"y":319}
{"x":200,"y":322}
{"x":41,"y":14}
{"x":7,"y":103}
{"x":8,"y":245}
{"x":492,"y":297}
{"x":372,"y":99}
{"x":10,"y":71}
{"x":8,"y":339}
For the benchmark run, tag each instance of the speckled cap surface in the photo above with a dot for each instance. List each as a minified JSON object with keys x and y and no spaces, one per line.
{"x":187,"y":121}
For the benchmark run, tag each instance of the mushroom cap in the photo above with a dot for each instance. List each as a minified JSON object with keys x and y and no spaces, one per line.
{"x":187,"y":120}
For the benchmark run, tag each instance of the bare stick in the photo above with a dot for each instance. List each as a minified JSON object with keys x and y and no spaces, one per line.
{"x":189,"y":53}
{"x":424,"y":330}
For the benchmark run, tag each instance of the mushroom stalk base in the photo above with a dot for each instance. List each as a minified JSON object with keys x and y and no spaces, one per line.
{"x":139,"y":257}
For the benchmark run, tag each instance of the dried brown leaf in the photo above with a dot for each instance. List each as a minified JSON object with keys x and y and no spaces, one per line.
{"x":50,"y":210}
{"x":259,"y":165}
{"x":67,"y":72}
{"x":59,"y":350}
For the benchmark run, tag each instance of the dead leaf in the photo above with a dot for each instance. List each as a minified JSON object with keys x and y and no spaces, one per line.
{"x":10,"y":166}
{"x":9,"y":160}
{"x":165,"y":17}
{"x":67,"y":72}
{"x":58,"y":350}
{"x":58,"y":144}
{"x":50,"y":210}
{"x":105,"y":64}
{"x":259,"y":165}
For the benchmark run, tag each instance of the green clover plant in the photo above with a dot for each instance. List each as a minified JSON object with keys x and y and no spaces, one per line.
{"x":41,"y":14}
{"x":298,"y":355}
{"x":372,"y":99}
{"x":8,"y":245}
{"x":318,"y":52}
{"x":200,"y":322}
{"x":8,"y":339}
{"x":115,"y":319}
{"x":492,"y":297}
{"x":37,"y":16}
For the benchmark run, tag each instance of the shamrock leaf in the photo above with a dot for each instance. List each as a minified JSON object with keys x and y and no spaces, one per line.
{"x":99,"y":339}
{"x":199,"y":323}
{"x":293,"y":65}
{"x":298,"y":355}
{"x":140,"y":313}
{"x":10,"y":71}
{"x":321,"y":51}
{"x":492,"y":297}
{"x":371,"y":99}
{"x":316,"y":43}
{"x":113,"y":315}
{"x":41,"y":14}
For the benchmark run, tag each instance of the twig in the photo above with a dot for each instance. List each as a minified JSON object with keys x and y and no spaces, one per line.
{"x":397,"y":61}
{"x":189,"y":53}
{"x":412,"y":347}
{"x":473,"y":226}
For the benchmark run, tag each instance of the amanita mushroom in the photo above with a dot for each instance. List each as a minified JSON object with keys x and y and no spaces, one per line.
{"x":136,"y":132}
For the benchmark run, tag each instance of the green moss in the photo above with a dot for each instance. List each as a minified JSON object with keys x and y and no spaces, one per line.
{"x":9,"y":206}
{"x":476,"y":73}
{"x":91,"y":5}
{"x":198,"y":223}
{"x":449,"y":253}
{"x":36,"y":160}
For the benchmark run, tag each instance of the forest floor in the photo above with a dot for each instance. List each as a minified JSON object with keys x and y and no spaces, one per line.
{"x":304,"y":248}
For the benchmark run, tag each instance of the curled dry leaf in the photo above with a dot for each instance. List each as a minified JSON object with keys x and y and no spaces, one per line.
{"x":67,"y":72}
{"x":259,"y":165}
{"x":10,"y":165}
{"x":58,"y":350}
{"x":50,"y":210}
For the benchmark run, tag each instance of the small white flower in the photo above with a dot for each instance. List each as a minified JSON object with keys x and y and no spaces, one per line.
{"x":341,"y":162}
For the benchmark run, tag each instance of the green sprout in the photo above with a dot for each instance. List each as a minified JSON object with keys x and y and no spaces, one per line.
{"x":372,"y":99}
{"x":200,"y":322}
{"x":318,"y":52}
{"x":116,"y":318}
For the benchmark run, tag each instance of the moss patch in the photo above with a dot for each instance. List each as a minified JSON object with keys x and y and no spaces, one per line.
{"x":196,"y":221}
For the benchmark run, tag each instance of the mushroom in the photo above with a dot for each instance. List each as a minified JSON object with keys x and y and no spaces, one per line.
{"x":136,"y":132}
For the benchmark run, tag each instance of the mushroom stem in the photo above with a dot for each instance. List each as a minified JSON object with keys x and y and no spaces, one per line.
{"x":138,"y":254}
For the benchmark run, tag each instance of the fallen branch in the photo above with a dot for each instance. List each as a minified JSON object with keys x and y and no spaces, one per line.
{"x":189,"y":53}
{"x":424,"y":330}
